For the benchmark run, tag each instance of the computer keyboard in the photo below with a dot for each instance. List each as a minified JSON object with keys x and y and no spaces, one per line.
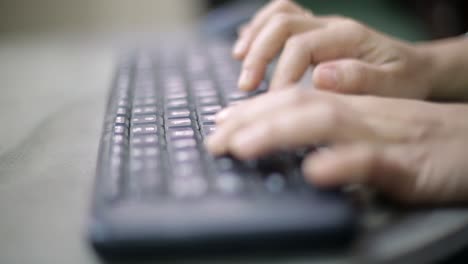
{"x":157,"y":186}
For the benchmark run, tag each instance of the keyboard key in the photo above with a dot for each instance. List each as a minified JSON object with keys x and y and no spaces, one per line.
{"x":203,"y":85}
{"x":186,"y":155}
{"x":182,"y":133}
{"x":188,"y":187}
{"x":176,"y":95}
{"x":178,"y":113}
{"x":137,"y":141}
{"x":123,"y":81}
{"x":210,"y":109}
{"x":263,"y":87}
{"x":208,"y":130}
{"x":208,"y":119}
{"x":229,"y":183}
{"x":233,"y":103}
{"x":180,"y":122}
{"x":136,"y":165}
{"x":184,"y":143}
{"x":145,"y":140}
{"x":144,"y":110}
{"x":275,"y":182}
{"x":123,"y":103}
{"x":144,"y":102}
{"x":174,"y":82}
{"x":122,"y":111}
{"x":150,"y":182}
{"x":236,"y":95}
{"x":121,"y":120}
{"x":208,"y":100}
{"x":224,"y":163}
{"x":144,"y":129}
{"x":119,"y":139}
{"x":117,"y":150}
{"x":187,"y":170}
{"x":120,"y":130}
{"x":151,"y":164}
{"x":150,"y":139}
{"x":136,"y":152}
{"x":177,"y":103}
{"x":151,"y":151}
{"x":144,"y":119}
{"x":206,"y":93}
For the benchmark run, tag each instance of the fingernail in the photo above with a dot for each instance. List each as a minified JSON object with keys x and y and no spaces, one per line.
{"x":239,"y":47}
{"x":327,"y":77}
{"x":222,"y":115}
{"x":245,"y":80}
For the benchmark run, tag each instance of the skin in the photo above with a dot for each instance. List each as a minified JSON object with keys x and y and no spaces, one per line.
{"x":349,"y":57}
{"x":415,"y":153}
{"x":412,"y":150}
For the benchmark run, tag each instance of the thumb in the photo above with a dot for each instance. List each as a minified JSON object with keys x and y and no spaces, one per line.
{"x":350,"y":76}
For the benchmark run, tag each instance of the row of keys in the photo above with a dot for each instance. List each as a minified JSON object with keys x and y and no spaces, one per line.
{"x":145,"y":172}
{"x":119,"y":134}
{"x":187,"y":176}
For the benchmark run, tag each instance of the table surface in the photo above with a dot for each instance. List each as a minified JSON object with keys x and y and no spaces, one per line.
{"x":53,"y":93}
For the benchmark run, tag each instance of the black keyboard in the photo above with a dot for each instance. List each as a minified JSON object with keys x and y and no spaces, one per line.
{"x":158,"y":188}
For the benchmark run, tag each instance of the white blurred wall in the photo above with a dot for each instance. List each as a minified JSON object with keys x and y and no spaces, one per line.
{"x":95,"y":16}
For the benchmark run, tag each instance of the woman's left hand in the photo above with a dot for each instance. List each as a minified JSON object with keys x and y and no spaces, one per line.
{"x":414,"y":151}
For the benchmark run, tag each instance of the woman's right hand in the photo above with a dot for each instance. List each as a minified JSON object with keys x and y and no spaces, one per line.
{"x":349,"y":57}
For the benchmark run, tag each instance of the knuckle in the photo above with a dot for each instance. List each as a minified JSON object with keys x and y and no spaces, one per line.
{"x":354,"y":28}
{"x":281,"y":20}
{"x":282,"y":3}
{"x":331,"y":114}
{"x":350,"y":24}
{"x":354,"y":78}
{"x":297,"y":42}
{"x":299,"y":96}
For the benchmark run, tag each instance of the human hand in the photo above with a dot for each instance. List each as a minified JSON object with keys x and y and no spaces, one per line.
{"x":349,"y":57}
{"x":414,"y":151}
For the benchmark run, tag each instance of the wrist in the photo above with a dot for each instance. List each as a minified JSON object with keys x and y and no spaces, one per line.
{"x":432,"y":68}
{"x":446,"y":68}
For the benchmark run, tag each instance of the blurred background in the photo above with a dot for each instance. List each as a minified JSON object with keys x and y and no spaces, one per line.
{"x":412,"y":19}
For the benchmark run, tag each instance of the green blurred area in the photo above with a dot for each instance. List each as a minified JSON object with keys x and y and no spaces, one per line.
{"x":387,"y":16}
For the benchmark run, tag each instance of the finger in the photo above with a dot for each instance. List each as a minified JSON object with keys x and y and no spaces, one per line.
{"x":267,"y":102}
{"x":279,"y":6}
{"x":233,"y":118}
{"x":287,"y":128}
{"x":380,"y":167}
{"x":352,"y":76}
{"x":332,"y":42}
{"x":268,"y":44}
{"x":341,"y":165}
{"x":242,"y":29}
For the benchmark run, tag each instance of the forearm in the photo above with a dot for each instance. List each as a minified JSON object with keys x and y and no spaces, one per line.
{"x":448,"y":68}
